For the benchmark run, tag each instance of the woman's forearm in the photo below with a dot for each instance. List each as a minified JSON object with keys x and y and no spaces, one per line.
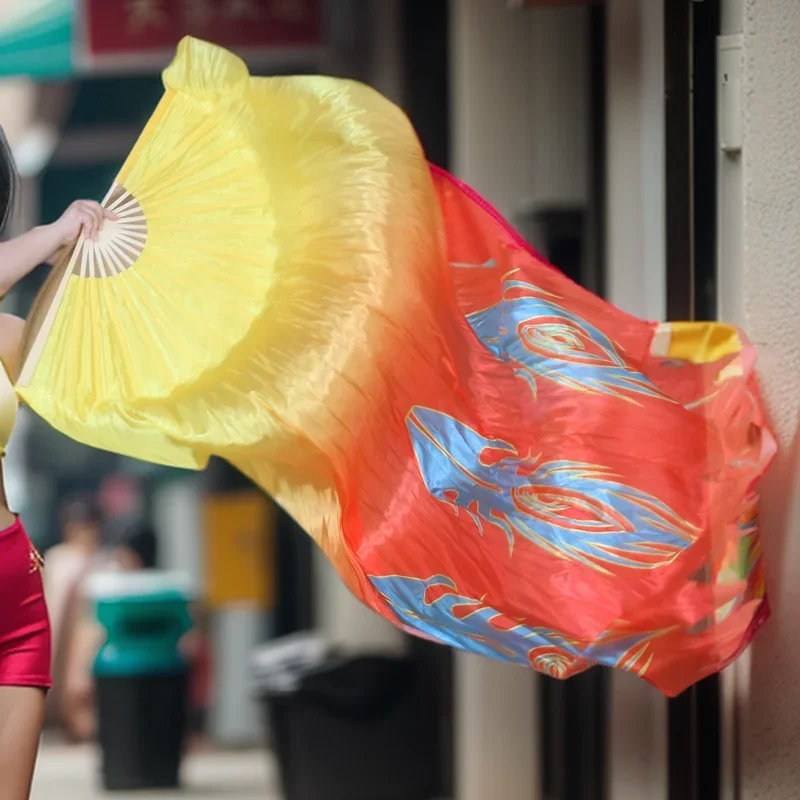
{"x":20,"y":256}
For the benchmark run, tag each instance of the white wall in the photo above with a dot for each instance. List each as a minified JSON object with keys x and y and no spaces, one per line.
{"x":768,"y":281}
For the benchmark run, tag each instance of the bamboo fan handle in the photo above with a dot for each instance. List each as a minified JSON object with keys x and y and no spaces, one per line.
{"x":119,"y":245}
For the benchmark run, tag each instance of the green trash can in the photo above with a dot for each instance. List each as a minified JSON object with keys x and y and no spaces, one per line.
{"x":141,"y":678}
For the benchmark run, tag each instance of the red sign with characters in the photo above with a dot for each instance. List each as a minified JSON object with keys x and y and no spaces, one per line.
{"x":134,"y":27}
{"x":550,"y":3}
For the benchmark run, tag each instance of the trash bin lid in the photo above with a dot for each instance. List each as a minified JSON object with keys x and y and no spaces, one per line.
{"x":278,"y":665}
{"x":147,"y":585}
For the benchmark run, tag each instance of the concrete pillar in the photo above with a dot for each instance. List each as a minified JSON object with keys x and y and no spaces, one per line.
{"x":497,"y":742}
{"x":636,"y":282}
{"x":341,"y":618}
{"x":348,"y":624}
{"x":520,"y":104}
{"x":178,"y":518}
{"x":178,"y":522}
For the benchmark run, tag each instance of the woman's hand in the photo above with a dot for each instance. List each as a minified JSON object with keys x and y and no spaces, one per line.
{"x":82,"y":216}
{"x":19,"y":256}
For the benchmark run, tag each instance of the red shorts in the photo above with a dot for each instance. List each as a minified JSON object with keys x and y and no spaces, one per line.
{"x":25,"y":647}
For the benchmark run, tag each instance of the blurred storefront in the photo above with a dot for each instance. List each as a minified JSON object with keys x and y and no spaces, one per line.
{"x":51,"y":39}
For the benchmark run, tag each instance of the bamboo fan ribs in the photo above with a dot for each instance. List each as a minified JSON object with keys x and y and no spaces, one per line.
{"x":119,"y":245}
{"x":120,"y":242}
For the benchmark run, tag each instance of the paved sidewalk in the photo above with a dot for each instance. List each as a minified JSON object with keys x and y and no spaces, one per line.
{"x":70,"y":773}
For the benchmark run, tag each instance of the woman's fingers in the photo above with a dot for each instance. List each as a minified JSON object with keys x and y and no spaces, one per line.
{"x":97,"y":218}
{"x":88,"y":217}
{"x":89,"y":223}
{"x":92,"y":217}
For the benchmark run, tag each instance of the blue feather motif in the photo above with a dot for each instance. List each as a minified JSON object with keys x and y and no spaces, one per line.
{"x":470,"y":624}
{"x":573,"y":510}
{"x":543,"y":340}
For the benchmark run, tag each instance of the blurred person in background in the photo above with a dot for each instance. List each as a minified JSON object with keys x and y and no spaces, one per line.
{"x":77,"y":635}
{"x":25,"y":643}
{"x":69,"y":564}
{"x":120,"y":498}
{"x":137,"y":549}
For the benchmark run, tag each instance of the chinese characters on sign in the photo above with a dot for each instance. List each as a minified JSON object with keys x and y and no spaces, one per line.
{"x":197,"y":13}
{"x":134,"y":27}
{"x":143,"y":14}
{"x":289,"y":10}
{"x":242,"y":9}
{"x":514,"y":4}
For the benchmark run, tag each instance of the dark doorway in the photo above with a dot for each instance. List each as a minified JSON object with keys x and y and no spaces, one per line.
{"x":426,"y":100}
{"x":691,"y":30}
{"x":574,"y":713}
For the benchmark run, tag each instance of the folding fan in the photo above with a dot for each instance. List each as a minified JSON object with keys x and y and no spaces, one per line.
{"x":214,"y":202}
{"x":491,"y":456}
{"x":157,"y":284}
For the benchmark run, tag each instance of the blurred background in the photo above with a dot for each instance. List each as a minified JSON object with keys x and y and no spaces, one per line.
{"x":647,"y":148}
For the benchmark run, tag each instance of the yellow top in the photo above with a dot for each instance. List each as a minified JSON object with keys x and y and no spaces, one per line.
{"x":8,"y":408}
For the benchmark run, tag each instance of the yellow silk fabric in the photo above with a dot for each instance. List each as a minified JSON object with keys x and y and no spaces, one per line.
{"x":272,"y":208}
{"x":700,"y":342}
{"x":8,"y":408}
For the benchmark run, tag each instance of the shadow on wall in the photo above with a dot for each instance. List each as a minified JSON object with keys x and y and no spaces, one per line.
{"x":776,"y":650}
{"x":780,"y":520}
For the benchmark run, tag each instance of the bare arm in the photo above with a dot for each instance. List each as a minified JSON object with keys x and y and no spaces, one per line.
{"x":20,"y":256}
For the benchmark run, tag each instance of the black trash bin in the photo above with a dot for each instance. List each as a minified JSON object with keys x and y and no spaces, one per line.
{"x":141,"y":678}
{"x":350,"y":729}
{"x":142,"y":727}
